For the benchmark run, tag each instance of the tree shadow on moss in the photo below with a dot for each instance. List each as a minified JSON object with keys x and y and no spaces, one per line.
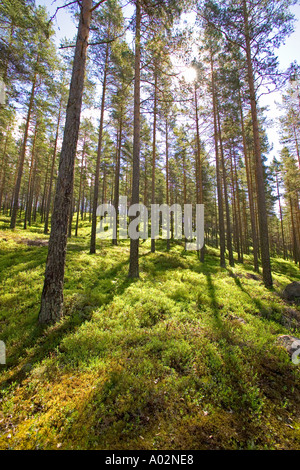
{"x":45,"y":340}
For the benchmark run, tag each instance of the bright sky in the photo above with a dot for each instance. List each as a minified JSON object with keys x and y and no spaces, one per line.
{"x":287,"y":53}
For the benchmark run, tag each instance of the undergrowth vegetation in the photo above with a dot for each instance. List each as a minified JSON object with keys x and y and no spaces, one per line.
{"x":186,"y":357}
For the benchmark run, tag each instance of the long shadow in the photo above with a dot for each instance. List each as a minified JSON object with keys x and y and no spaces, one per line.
{"x":44,"y":341}
{"x":264,"y":311}
{"x":238,"y":283}
{"x":276,"y":381}
{"x":165,"y":261}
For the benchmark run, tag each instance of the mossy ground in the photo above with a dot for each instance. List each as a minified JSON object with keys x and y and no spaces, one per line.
{"x":183,"y":358}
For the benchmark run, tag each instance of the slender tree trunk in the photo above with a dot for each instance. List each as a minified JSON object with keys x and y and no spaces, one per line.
{"x":199,"y":166}
{"x":296,"y":143}
{"x":235,"y":220}
{"x":84,"y":197}
{"x":281,"y":218}
{"x":227,"y":211}
{"x":45,"y":189}
{"x":295,"y":241}
{"x":117,"y":178}
{"x":22,"y":156}
{"x":218,"y":173}
{"x":99,"y":152}
{"x":52,"y":295}
{"x":49,"y":198}
{"x":4,"y":165}
{"x":71,"y":212}
{"x":167,"y":175}
{"x":80,"y":187}
{"x":29,"y":197}
{"x":239,"y":213}
{"x":261,"y":197}
{"x":134,"y":244}
{"x":154,"y":152}
{"x":29,"y":188}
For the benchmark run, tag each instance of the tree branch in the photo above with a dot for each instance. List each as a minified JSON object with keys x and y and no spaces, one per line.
{"x":98,"y":4}
{"x":59,"y":8}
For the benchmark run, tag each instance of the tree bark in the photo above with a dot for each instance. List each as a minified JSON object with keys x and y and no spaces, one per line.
{"x":99,"y":152}
{"x":134,"y":244}
{"x":261,"y":197}
{"x":227,"y":210}
{"x":218,"y":173}
{"x":154,"y":152}
{"x":167,"y":175}
{"x":199,"y":166}
{"x":48,"y":204}
{"x":52,"y":295}
{"x":117,"y":178}
{"x":22,"y":156}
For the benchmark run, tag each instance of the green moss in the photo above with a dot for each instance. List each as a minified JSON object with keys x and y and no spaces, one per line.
{"x":183,"y":358}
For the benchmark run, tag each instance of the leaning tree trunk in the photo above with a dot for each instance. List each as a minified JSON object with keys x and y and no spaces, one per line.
{"x":134,"y":244}
{"x":52,"y":295}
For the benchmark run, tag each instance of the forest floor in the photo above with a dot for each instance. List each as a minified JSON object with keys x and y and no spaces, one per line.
{"x":186,"y":357}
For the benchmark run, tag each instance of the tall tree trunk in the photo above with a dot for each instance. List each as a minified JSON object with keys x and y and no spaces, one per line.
{"x":199,"y":166}
{"x":99,"y":152}
{"x":48,"y":204}
{"x":117,"y":177}
{"x":218,"y":173}
{"x":239,"y":213}
{"x":154,"y":151}
{"x":235,"y":220}
{"x":167,"y":175}
{"x":281,"y":218}
{"x":226,"y":197}
{"x":30,"y":188}
{"x":80,"y":187}
{"x":261,"y":197}
{"x":4,"y":165}
{"x":52,"y":295}
{"x":134,"y":244}
{"x":22,"y":156}
{"x":45,"y":189}
{"x":71,"y":211}
{"x":295,"y":241}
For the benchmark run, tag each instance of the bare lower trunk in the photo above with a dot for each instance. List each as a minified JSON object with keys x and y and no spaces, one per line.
{"x":134,"y":244}
{"x":219,"y":180}
{"x":117,"y":178}
{"x":261,"y":197}
{"x":227,"y":210}
{"x":99,"y":152}
{"x":199,"y":167}
{"x":167,"y":176}
{"x":52,"y":295}
{"x":48,"y":204}
{"x":15,"y":203}
{"x":154,"y":152}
